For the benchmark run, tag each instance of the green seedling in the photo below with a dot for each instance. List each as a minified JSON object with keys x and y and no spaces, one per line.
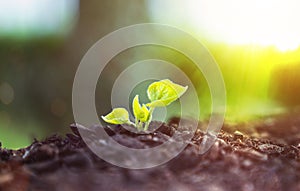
{"x":160,"y":94}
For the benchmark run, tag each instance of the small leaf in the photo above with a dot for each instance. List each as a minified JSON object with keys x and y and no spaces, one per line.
{"x":141,"y":113}
{"x":117,"y":116}
{"x":164,"y":92}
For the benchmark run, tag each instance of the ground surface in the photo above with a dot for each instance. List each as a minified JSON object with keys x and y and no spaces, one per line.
{"x":264,"y":155}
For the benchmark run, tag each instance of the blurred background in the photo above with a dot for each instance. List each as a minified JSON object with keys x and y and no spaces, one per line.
{"x":256,"y":44}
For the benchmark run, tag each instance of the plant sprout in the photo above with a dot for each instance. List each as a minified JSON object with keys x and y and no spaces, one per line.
{"x":160,"y":93}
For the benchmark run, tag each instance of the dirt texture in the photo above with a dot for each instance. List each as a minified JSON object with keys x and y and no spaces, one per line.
{"x":257,"y":156}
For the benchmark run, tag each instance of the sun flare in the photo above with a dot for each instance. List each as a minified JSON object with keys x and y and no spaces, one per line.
{"x":258,"y":22}
{"x":266,"y":23}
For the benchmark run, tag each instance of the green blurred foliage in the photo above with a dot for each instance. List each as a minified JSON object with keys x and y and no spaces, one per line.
{"x":40,"y":71}
{"x":37,"y":75}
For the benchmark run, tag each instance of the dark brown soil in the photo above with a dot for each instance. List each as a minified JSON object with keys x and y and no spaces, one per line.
{"x":261,"y":156}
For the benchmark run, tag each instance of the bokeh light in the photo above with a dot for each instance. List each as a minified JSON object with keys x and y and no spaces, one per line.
{"x":37,"y":18}
{"x":6,"y":93}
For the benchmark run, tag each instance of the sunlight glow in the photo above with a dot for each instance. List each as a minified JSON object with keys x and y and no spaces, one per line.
{"x":249,"y":39}
{"x":34,"y":18}
{"x":258,"y":22}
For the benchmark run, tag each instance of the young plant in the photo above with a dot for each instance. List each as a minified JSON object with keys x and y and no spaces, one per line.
{"x":160,"y":94}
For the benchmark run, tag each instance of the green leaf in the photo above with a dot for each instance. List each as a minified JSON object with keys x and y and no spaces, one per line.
{"x":141,"y":113}
{"x":164,"y":92}
{"x":117,"y":116}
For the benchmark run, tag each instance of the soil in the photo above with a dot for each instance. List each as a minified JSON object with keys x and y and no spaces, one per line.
{"x":263,"y":155}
